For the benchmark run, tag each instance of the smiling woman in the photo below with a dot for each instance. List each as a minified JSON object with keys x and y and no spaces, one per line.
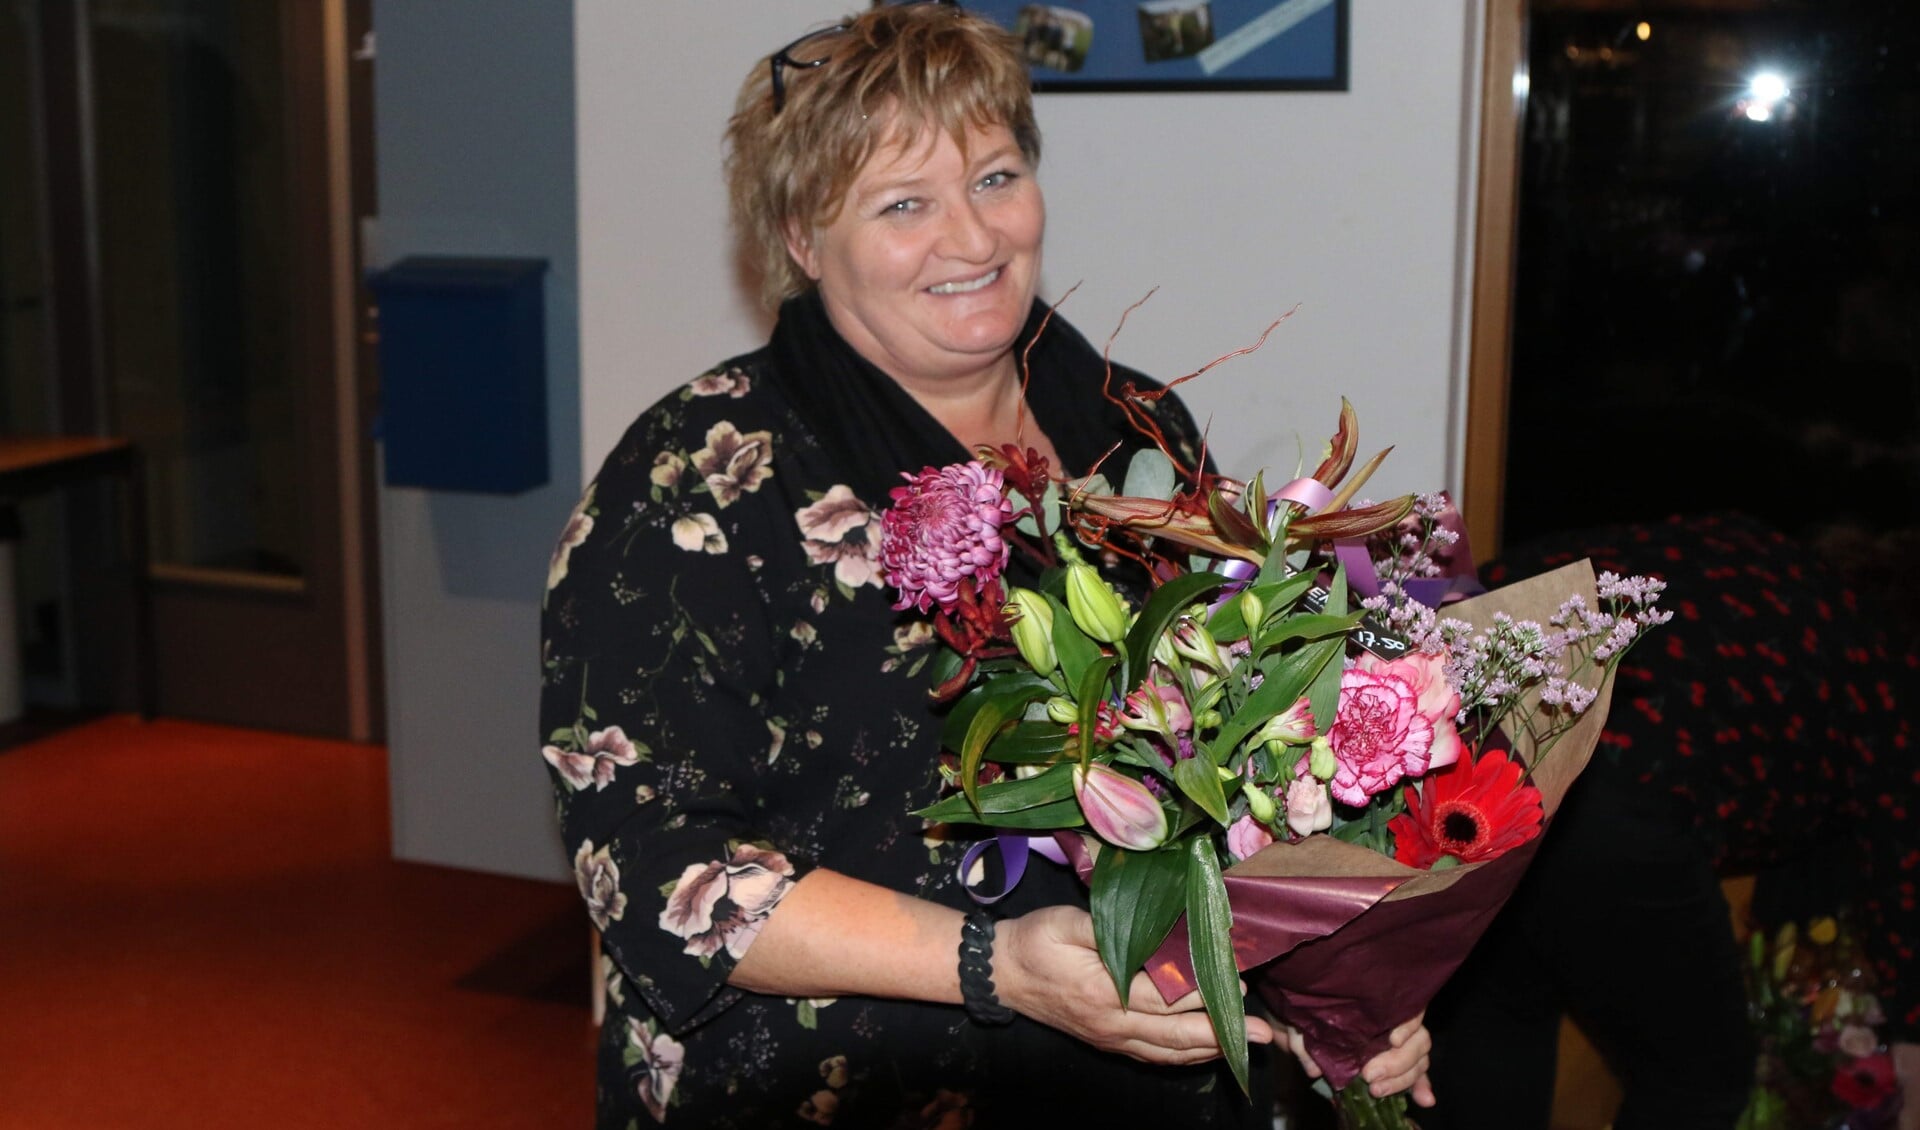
{"x":735,"y":715}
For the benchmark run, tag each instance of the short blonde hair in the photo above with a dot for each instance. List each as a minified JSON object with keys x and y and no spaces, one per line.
{"x":890,"y":73}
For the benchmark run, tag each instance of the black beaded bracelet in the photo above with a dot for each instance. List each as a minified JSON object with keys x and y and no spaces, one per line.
{"x":976,"y":971}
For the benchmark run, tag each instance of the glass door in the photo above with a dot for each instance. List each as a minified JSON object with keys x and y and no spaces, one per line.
{"x":212,"y":149}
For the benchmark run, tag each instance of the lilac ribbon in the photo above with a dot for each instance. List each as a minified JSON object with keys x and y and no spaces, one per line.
{"x":1013,"y":858}
{"x":1310,"y":493}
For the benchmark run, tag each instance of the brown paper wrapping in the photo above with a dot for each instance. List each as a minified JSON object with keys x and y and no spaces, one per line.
{"x":1344,"y":943}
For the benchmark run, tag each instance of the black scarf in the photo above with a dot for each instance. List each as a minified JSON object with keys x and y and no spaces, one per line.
{"x":873,"y":430}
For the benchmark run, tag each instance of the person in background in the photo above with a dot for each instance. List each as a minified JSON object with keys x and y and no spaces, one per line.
{"x":736,"y":718}
{"x":1769,"y":722}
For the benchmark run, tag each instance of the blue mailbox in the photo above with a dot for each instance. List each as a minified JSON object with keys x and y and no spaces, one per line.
{"x":463,"y":373}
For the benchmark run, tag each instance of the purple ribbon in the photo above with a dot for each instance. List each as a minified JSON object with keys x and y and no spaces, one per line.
{"x":1014,"y":849}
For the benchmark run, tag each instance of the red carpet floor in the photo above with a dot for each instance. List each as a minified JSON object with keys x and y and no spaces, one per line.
{"x":201,"y":927}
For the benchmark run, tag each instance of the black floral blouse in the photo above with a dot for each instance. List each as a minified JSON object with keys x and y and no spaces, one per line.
{"x":1777,"y":707}
{"x":730,"y":700}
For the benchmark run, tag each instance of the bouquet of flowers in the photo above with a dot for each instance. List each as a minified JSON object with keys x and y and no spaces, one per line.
{"x":1822,"y":1064}
{"x":1282,"y":757}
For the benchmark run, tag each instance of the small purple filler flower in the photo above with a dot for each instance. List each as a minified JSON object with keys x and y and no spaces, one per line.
{"x":943,"y":527}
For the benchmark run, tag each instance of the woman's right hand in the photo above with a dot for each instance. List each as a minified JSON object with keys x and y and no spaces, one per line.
{"x":1045,"y":967}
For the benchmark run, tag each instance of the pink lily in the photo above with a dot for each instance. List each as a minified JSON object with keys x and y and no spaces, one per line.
{"x":1157,"y":709}
{"x":1118,"y":808}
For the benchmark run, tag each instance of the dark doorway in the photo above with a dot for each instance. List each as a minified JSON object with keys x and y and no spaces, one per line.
{"x":1717,"y":301}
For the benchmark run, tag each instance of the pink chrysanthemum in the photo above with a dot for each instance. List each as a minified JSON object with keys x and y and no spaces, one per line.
{"x":943,"y":527}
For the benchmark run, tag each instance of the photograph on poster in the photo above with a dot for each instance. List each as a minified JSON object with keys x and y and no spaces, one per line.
{"x":1111,"y":45}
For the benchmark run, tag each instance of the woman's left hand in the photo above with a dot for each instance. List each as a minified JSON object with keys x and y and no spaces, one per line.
{"x":1402,"y":1067}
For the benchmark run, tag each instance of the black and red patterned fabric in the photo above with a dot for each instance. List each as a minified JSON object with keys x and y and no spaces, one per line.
{"x":1776,"y":707}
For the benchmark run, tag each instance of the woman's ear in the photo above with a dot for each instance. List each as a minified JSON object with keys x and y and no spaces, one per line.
{"x":800,"y":247}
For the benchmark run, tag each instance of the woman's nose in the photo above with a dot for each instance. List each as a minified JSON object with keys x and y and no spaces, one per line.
{"x":968,"y":235}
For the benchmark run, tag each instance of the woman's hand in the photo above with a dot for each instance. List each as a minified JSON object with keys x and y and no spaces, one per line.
{"x":1045,"y":967}
{"x":1403,"y":1066}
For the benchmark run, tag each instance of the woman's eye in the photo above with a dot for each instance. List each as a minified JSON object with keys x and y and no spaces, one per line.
{"x":999,"y":180}
{"x":901,"y":207}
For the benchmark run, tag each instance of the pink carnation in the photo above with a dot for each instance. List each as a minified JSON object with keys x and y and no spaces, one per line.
{"x":943,"y":527}
{"x":1435,"y":699}
{"x":1379,"y":735}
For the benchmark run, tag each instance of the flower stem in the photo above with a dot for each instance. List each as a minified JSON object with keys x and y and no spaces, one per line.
{"x":1358,"y":1109}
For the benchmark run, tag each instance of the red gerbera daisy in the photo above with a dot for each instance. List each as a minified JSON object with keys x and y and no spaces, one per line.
{"x":1472,"y":811}
{"x":1866,"y":1082}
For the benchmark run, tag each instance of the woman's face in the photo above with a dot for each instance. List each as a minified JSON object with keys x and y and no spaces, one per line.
{"x":930,"y":266}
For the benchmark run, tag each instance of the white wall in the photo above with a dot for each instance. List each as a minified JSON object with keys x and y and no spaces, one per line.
{"x":474,"y":136}
{"x":1353,"y":207}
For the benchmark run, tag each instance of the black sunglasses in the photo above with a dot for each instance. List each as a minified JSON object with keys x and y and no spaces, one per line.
{"x":783,"y":58}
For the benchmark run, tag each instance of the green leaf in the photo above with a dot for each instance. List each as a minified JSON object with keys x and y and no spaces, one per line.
{"x":985,"y":727}
{"x":806,"y":1015}
{"x":1166,"y":603}
{"x":1091,"y":693}
{"x":1075,"y":649}
{"x":1286,"y":682}
{"x":1226,"y":623}
{"x":1047,"y":504}
{"x":1029,"y":743}
{"x":563,"y":734}
{"x":946,"y":664}
{"x":1003,"y":797}
{"x":1210,"y":944}
{"x":1305,"y":627}
{"x":1198,"y":778}
{"x":1039,"y":818}
{"x":1150,"y":475}
{"x":1014,"y":691}
{"x":1137,"y":896}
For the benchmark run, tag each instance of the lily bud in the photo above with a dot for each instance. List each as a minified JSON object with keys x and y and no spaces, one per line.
{"x":1252,"y":611}
{"x":1163,"y":652}
{"x":1063,"y":710}
{"x":1095,"y":606}
{"x":1258,"y":802}
{"x":1191,"y":639}
{"x":1321,"y":762}
{"x":1207,"y":720}
{"x":1157,"y":709}
{"x":1032,"y":620}
{"x":1119,"y":809}
{"x":1296,"y":725}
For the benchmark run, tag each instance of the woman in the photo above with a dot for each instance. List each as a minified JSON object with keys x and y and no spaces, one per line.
{"x":737,"y":719}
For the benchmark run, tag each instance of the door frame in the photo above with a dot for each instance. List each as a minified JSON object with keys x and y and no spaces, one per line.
{"x":1503,"y":111}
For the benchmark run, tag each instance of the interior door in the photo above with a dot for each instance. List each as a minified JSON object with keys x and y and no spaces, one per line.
{"x":215,"y":145}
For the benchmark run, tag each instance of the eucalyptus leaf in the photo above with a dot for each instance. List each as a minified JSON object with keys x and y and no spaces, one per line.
{"x":1150,"y":474}
{"x":1210,"y":944}
{"x":1048,"y":504}
{"x":1137,"y":896}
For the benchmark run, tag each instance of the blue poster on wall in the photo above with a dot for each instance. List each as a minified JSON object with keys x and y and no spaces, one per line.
{"x":1180,"y":44}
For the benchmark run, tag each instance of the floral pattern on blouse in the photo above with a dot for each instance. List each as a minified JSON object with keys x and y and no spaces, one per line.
{"x":730,"y":701}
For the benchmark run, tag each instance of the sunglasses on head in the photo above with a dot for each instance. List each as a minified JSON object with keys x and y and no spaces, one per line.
{"x":780,"y":60}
